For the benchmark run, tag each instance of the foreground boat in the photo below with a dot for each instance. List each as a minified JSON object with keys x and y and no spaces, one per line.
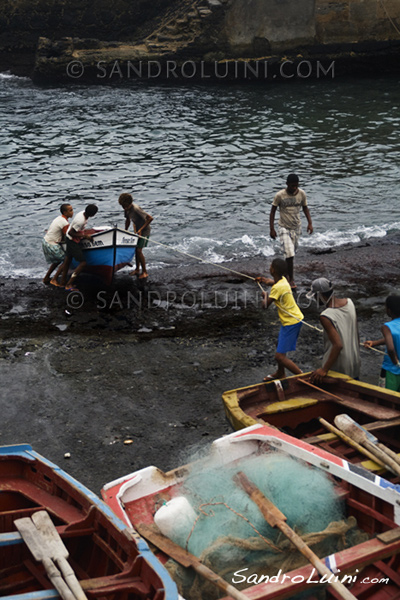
{"x":109,"y":559}
{"x":295,"y":407}
{"x":369,"y":566}
{"x":110,"y":249}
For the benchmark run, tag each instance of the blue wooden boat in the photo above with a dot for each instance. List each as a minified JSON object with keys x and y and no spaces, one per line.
{"x":110,"y":560}
{"x":110,"y":250}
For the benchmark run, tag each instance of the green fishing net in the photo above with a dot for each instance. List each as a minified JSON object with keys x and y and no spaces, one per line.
{"x":229,"y":533}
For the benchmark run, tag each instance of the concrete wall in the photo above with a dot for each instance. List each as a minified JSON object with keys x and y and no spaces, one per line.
{"x":357,"y":20}
{"x":258,"y":26}
{"x":269,"y":24}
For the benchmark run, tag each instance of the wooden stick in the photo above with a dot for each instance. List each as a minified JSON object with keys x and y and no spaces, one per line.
{"x":360,"y":435}
{"x":315,"y":387}
{"x":184,"y":558}
{"x":351,"y":442}
{"x":276,"y":518}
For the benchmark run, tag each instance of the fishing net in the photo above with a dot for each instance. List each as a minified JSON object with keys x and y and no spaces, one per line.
{"x":229,"y":533}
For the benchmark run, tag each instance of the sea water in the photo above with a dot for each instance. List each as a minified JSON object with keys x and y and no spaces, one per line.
{"x":204,"y":160}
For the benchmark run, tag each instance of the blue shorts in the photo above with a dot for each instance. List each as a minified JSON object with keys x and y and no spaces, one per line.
{"x":287,"y":338}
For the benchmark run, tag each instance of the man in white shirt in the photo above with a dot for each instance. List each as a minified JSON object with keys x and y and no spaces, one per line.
{"x":76,"y":233}
{"x":290,"y":201}
{"x":51,"y":243}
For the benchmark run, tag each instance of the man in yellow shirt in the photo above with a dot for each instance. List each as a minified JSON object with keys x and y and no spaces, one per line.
{"x":289,"y":314}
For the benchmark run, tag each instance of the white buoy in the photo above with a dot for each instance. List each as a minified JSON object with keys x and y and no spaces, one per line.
{"x":175,"y":517}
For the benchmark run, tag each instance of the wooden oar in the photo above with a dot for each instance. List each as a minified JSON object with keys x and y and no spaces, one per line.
{"x":276,"y":518}
{"x":350,"y":442}
{"x":369,"y":441}
{"x":58,"y":551}
{"x":36,"y":544}
{"x":366,"y":407}
{"x":374,"y":440}
{"x":184,"y":558}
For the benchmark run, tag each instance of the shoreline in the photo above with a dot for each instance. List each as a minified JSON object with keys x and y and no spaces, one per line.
{"x":85,"y":379}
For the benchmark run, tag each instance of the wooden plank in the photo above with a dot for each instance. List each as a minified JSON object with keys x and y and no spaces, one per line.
{"x":389,"y":536}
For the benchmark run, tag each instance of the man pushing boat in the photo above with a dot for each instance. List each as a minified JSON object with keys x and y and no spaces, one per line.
{"x":75,"y":234}
{"x":141,"y":225}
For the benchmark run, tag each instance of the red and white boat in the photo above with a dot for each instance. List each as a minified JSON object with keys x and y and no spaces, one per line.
{"x":370,"y":568}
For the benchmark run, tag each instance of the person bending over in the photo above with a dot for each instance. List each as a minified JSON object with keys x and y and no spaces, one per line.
{"x":75,"y":234}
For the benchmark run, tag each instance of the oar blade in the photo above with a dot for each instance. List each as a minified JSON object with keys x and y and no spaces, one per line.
{"x":45,"y":525}
{"x":31,"y":537}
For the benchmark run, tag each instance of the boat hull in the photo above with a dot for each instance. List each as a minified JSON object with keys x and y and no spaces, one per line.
{"x":371,"y":500}
{"x":109,"y":251}
{"x":109,"y":559}
{"x":296,"y":408}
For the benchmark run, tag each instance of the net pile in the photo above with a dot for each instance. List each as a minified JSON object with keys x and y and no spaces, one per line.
{"x":229,"y":534}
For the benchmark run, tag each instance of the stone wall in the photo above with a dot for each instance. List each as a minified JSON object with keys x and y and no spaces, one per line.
{"x":22,"y":22}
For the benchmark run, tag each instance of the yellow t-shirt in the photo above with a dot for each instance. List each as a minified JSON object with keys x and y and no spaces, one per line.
{"x":281,"y":293}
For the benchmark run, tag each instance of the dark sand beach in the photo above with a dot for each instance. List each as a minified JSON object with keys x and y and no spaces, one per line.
{"x":147,"y":362}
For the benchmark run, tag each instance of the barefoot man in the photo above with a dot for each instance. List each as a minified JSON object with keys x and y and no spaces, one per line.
{"x":51,"y":244}
{"x":141,"y":226}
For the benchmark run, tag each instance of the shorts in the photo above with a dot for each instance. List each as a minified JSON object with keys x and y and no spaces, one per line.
{"x":287,"y":338}
{"x":289,"y":239}
{"x":74,"y":250}
{"x":143,"y":241}
{"x":53,"y":253}
{"x":392,"y":382}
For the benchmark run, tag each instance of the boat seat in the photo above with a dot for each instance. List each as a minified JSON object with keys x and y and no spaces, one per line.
{"x":286,"y":405}
{"x":65,"y":511}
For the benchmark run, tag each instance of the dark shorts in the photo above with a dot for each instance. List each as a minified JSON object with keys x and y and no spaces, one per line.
{"x":143,"y":241}
{"x":74,"y":250}
{"x":287,"y":338}
{"x":392,"y":381}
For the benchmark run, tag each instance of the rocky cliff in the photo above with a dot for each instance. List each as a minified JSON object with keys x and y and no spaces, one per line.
{"x":102,"y":41}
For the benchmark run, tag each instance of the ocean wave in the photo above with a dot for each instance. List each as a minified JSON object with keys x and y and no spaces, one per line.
{"x":213,"y":251}
{"x":7,"y":76}
{"x":8,"y":270}
{"x":335,"y":238}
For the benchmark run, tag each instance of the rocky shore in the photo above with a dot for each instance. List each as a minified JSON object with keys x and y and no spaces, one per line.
{"x":133,"y":376}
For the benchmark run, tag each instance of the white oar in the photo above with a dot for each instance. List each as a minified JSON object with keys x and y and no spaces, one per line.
{"x":58,"y":551}
{"x":369,"y":441}
{"x":37,"y":545}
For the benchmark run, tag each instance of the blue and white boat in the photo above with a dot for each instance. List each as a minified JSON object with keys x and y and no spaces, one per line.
{"x":110,"y":249}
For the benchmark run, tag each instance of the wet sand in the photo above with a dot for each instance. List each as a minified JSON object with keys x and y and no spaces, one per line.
{"x":148,"y":362}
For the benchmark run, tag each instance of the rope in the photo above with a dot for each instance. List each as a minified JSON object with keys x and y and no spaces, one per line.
{"x":209,"y":262}
{"x":238,"y":514}
{"x":380,"y":352}
{"x":294,"y":316}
